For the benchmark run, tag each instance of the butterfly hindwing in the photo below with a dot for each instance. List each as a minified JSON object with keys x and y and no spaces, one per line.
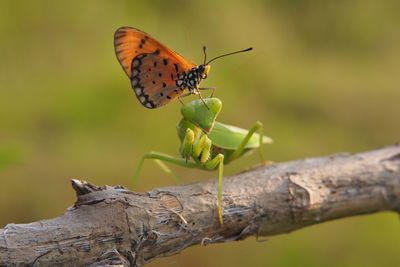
{"x":154,"y":79}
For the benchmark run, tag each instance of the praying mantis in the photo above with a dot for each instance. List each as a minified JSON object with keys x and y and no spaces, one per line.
{"x":208,"y":144}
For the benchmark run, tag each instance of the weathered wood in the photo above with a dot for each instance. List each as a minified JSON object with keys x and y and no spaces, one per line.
{"x":112,"y":225}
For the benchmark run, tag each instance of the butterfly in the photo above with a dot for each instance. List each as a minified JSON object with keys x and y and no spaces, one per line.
{"x":158,"y":74}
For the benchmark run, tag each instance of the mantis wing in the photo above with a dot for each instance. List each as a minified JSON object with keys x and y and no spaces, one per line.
{"x":230,"y":137}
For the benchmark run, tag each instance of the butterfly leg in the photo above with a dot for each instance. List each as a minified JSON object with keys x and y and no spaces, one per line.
{"x":197,"y":90}
{"x":187,"y":94}
{"x":209,"y":88}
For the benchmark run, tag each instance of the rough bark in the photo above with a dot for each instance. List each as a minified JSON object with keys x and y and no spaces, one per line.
{"x":112,"y":225}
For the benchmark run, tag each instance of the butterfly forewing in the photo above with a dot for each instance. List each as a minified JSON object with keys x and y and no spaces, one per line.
{"x":152,"y":67}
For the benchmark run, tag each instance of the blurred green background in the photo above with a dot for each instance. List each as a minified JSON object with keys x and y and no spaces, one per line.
{"x":323,"y":78}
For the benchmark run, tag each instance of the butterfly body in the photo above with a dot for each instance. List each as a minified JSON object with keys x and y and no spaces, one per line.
{"x":158,"y":74}
{"x":191,"y":80}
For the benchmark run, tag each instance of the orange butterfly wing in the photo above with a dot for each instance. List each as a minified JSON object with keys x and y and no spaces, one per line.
{"x":152,"y":67}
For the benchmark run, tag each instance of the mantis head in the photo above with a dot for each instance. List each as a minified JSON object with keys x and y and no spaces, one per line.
{"x":201,"y":115}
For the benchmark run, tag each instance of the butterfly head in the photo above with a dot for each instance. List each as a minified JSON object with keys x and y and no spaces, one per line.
{"x":203,"y":70}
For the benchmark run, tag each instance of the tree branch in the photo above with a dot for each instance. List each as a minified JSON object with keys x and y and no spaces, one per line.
{"x":111,"y":225}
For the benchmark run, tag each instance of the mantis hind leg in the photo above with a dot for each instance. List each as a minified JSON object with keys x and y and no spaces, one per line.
{"x":257,"y":126}
{"x":218,"y":160}
{"x":159,"y":159}
{"x":260,"y":141}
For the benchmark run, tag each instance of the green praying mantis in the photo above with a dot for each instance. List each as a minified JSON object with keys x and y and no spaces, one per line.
{"x":208,"y":144}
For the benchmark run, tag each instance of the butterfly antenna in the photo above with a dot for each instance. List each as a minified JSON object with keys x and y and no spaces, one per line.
{"x":236,"y":52}
{"x":205,"y":54}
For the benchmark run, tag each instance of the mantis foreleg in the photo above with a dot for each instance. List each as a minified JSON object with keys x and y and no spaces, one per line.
{"x":202,"y":149}
{"x":187,"y":144}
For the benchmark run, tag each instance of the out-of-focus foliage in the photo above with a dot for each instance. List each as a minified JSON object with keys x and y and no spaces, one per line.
{"x":323,"y":78}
